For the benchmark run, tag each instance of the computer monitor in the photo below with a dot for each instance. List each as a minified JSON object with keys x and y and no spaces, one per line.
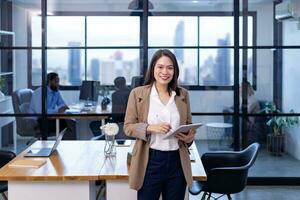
{"x":89,"y":91}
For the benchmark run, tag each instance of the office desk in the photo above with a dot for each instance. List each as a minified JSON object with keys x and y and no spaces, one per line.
{"x":94,"y":110}
{"x":115,"y":172}
{"x":71,"y":173}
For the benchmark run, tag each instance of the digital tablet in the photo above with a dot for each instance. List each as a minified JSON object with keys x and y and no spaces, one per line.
{"x":183,"y":129}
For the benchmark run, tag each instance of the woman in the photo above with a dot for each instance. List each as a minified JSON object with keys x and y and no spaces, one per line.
{"x":254,"y":127}
{"x":159,"y":165}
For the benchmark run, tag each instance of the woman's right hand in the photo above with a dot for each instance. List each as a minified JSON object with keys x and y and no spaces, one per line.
{"x":159,"y":128}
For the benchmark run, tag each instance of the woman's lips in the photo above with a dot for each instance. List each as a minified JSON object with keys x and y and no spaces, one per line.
{"x":164,"y":77}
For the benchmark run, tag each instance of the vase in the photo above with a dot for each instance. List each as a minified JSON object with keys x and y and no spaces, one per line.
{"x":276,"y":144}
{"x":110,"y":146}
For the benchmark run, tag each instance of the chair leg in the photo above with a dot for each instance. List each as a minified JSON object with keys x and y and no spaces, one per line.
{"x":229,"y":197}
{"x":203,"y":196}
{"x":100,"y":191}
{"x":209,"y":195}
{"x":4,"y":196}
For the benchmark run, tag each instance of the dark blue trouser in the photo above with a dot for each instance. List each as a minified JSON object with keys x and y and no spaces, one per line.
{"x":164,"y":176}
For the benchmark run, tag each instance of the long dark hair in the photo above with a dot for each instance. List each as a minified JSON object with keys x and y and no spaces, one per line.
{"x":149,"y":80}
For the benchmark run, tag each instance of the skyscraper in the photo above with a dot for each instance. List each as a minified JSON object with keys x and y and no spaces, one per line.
{"x":222,"y":64}
{"x":95,"y":69}
{"x":74,"y":64}
{"x":179,"y":41}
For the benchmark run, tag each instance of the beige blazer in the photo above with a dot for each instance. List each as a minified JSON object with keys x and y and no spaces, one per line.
{"x":135,"y":126}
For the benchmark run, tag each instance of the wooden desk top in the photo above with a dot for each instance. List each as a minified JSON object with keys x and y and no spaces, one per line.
{"x":83,"y":160}
{"x":116,"y":168}
{"x":197,"y":166}
{"x":73,"y":160}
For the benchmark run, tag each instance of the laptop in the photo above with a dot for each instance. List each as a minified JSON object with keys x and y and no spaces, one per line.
{"x":46,"y":151}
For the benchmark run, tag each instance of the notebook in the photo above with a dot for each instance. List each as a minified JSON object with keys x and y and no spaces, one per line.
{"x":45,"y":151}
{"x":27,"y":163}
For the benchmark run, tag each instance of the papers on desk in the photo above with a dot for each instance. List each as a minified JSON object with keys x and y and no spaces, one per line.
{"x":27,"y":163}
{"x":73,"y":111}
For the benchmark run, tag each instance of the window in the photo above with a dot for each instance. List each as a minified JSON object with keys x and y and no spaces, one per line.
{"x":80,"y":48}
{"x":205,"y":55}
{"x":104,"y":46}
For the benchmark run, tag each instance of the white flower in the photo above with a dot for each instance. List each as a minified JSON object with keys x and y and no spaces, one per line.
{"x":110,"y":128}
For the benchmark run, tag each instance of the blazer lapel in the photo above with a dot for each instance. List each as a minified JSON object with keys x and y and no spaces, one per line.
{"x":144,"y":103}
{"x":181,"y":107}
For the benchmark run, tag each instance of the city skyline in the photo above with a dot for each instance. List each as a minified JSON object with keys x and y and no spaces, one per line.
{"x":187,"y":58}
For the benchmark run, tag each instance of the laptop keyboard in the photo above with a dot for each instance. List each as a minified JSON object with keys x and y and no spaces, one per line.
{"x":44,"y":151}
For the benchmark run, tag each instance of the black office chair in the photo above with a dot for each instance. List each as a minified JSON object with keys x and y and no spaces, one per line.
{"x":227,"y":172}
{"x":26,"y":126}
{"x":137,"y":81}
{"x":5,"y":157}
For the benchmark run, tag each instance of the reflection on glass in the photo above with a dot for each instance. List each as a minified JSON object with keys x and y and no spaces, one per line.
{"x":113,"y":31}
{"x":106,"y":65}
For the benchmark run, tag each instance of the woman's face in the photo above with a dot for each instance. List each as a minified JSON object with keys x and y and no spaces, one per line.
{"x":163,"y":70}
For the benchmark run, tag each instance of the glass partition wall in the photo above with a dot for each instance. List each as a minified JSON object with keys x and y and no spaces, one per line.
{"x":237,"y":58}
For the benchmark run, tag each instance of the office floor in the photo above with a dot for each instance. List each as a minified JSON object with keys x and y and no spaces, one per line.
{"x":266,"y":164}
{"x":263,"y":193}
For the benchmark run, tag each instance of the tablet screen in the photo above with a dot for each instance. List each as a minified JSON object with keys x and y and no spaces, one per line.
{"x":183,"y":129}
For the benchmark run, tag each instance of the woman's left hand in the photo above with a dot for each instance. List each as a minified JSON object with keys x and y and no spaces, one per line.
{"x":187,"y":138}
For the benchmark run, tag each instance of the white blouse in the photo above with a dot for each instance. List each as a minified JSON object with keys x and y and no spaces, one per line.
{"x":158,"y":113}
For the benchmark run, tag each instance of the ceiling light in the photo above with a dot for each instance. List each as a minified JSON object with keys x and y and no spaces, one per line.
{"x":138,"y":5}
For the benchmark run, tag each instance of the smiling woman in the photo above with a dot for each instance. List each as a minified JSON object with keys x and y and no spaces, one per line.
{"x":153,"y":111}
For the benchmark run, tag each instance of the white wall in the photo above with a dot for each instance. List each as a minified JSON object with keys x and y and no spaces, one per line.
{"x":290,"y":76}
{"x":264,"y":57}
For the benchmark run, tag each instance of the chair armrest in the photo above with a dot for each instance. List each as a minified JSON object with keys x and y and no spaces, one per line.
{"x":220,"y":159}
{"x":5,"y":157}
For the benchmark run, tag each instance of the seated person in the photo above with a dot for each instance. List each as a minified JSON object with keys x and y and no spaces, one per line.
{"x":253,"y":128}
{"x":119,"y":98}
{"x":55,"y":104}
{"x":119,"y":104}
{"x":253,"y":107}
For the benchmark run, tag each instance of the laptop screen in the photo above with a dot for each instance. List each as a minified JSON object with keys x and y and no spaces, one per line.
{"x":58,"y":139}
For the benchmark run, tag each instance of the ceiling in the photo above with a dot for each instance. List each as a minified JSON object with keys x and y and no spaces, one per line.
{"x":122,"y":5}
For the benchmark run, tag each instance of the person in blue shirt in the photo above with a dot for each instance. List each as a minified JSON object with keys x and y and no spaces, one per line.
{"x":55,"y":104}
